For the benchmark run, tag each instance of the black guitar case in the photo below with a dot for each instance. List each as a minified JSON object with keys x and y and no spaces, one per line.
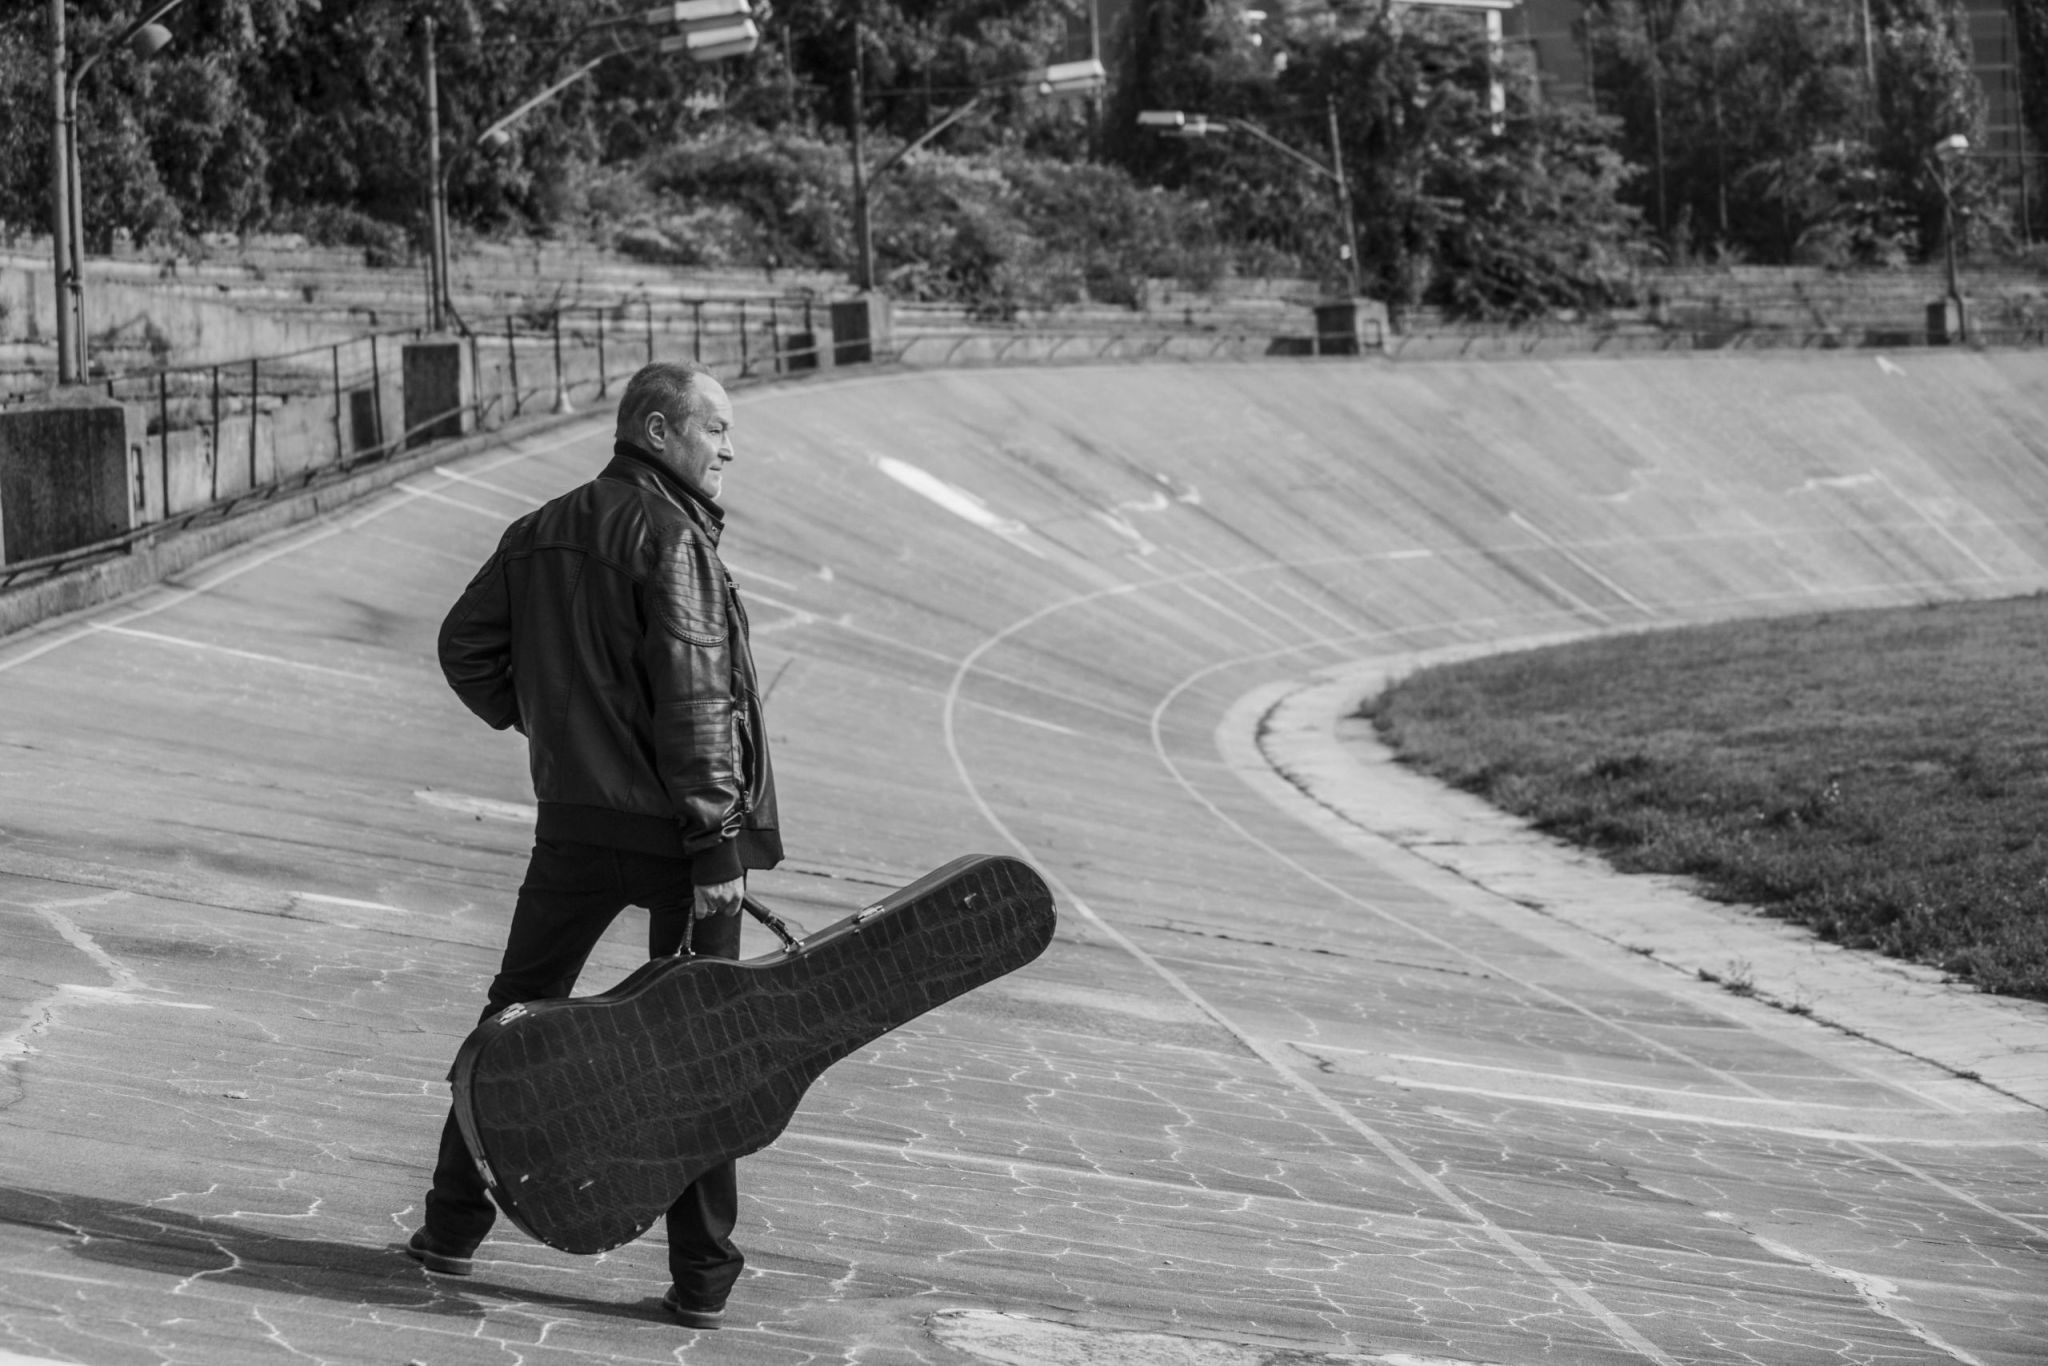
{"x":588,"y":1116}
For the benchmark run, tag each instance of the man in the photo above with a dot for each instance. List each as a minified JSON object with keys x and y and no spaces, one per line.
{"x":607,"y":632}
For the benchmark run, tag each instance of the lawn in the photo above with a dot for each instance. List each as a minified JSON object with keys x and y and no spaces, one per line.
{"x":1880,"y":777}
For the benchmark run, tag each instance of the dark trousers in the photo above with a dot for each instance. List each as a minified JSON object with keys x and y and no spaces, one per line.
{"x":572,"y":893}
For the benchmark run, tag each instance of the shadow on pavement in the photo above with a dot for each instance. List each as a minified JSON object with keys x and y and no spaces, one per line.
{"x":229,"y":1252}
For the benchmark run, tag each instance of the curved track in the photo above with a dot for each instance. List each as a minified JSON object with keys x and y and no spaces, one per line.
{"x":1262,"y":1090}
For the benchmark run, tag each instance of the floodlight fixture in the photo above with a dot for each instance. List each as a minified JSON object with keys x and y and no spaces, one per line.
{"x":149,"y":40}
{"x":714,"y":41}
{"x":1067,"y":79}
{"x":1952,"y":146}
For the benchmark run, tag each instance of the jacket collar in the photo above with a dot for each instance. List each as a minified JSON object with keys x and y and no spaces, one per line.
{"x":629,"y":462}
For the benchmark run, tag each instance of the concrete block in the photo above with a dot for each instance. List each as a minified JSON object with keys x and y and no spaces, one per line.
{"x":860,"y":329}
{"x":64,"y":474}
{"x":1348,"y":327}
{"x":800,"y":350}
{"x":1945,"y":321}
{"x":438,"y":390}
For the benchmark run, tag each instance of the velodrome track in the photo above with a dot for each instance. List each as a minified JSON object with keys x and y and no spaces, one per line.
{"x":1263,"y":1093}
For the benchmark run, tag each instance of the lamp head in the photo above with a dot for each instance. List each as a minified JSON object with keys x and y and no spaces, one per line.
{"x":149,"y":40}
{"x":1952,"y":146}
{"x":495,"y":141}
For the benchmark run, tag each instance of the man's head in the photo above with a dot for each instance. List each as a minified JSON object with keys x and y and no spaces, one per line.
{"x":679,"y":414}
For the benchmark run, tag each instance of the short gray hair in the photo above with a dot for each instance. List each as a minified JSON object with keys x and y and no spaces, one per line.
{"x":665,"y":387}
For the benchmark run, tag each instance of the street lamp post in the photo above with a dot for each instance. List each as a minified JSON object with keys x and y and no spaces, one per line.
{"x":1176,"y":123}
{"x":145,"y":37}
{"x":1061,"y":80}
{"x":1946,"y":153}
{"x":708,"y":31}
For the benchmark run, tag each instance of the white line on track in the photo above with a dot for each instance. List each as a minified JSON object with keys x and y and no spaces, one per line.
{"x":279,"y":661}
{"x":970,"y":663}
{"x":294,"y":539}
{"x":1507,"y":1241}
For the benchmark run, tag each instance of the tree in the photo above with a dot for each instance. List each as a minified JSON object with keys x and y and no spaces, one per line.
{"x":1760,"y":130}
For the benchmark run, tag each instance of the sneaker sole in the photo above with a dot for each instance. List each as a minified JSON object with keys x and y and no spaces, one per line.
{"x":435,"y":1261}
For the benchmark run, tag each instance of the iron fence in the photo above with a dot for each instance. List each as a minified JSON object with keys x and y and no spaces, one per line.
{"x":208,"y":439}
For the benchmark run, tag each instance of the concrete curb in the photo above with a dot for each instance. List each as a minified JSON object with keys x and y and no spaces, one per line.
{"x":157,"y":558}
{"x":1311,"y":737}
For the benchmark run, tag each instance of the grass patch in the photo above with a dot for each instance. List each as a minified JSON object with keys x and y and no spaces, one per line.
{"x":1880,"y":777}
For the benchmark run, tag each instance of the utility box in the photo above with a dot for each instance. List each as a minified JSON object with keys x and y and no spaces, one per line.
{"x":1350,"y":327}
{"x":860,"y":329}
{"x":799,"y":351}
{"x":1945,"y":322}
{"x":64,"y":476}
{"x":438,"y":390}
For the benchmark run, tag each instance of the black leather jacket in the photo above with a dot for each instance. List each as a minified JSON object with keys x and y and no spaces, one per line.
{"x":606,"y":629}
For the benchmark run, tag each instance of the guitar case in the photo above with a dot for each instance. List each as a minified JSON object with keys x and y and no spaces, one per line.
{"x":588,"y":1116}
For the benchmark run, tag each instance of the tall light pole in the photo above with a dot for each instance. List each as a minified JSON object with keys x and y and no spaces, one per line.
{"x":144,"y":37}
{"x":60,"y":195}
{"x":1062,"y":80}
{"x":437,"y":207}
{"x":1946,"y":153}
{"x":1176,"y":123}
{"x":709,"y":31}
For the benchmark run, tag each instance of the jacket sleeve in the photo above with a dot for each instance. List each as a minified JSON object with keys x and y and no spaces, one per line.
{"x":476,"y":643}
{"x":687,"y":653}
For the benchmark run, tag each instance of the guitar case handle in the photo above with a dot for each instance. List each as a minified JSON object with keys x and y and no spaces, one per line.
{"x":755,"y":909}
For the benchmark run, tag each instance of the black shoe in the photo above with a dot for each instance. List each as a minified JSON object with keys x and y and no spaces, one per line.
{"x":692,"y":1318}
{"x":435,"y":1255}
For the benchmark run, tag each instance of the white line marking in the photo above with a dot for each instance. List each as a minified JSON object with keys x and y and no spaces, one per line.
{"x":1876,"y":1292}
{"x":294,"y":539}
{"x":252,"y":655}
{"x":495,"y":514}
{"x":489,"y":808}
{"x":958,"y":501}
{"x":1529,"y":1258}
{"x":1687,"y":1117}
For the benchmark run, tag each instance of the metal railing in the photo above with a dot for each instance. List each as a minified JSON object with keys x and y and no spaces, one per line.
{"x":208,"y":440}
{"x":215,"y":438}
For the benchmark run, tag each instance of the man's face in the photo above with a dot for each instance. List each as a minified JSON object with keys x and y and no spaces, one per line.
{"x":697,"y":447}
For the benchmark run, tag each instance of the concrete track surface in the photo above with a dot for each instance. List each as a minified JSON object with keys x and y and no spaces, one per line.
{"x":1264,"y":1100}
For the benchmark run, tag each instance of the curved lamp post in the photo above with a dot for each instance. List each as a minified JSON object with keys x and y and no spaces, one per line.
{"x":1176,"y":123}
{"x":708,"y":31}
{"x":1944,"y":155}
{"x":145,"y":37}
{"x":1062,"y":80}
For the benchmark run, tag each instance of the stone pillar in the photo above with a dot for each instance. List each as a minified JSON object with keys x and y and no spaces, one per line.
{"x":1348,"y":327}
{"x":860,"y":329}
{"x":438,"y":389}
{"x":64,"y":477}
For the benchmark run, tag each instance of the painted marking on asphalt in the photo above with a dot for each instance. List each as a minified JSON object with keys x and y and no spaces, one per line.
{"x":1569,"y":1079}
{"x":256,"y":657}
{"x":1583,"y":565}
{"x":1944,"y":1141}
{"x":1875,"y":1291}
{"x":958,"y":501}
{"x":292,"y":544}
{"x":1012,"y":1339}
{"x":483,"y":808}
{"x":495,"y":514}
{"x":1616,"y":1326}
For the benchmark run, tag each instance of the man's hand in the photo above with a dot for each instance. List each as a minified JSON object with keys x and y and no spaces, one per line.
{"x":718,"y":898}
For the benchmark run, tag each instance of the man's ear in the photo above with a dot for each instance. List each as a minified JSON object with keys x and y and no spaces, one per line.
{"x":655,"y":428}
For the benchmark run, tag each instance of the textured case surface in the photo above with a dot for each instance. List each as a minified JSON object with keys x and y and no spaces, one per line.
{"x":590,"y":1115}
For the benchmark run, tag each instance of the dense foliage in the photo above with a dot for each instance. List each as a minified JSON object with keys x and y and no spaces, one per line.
{"x":1744,"y":128}
{"x":1769,"y":131}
